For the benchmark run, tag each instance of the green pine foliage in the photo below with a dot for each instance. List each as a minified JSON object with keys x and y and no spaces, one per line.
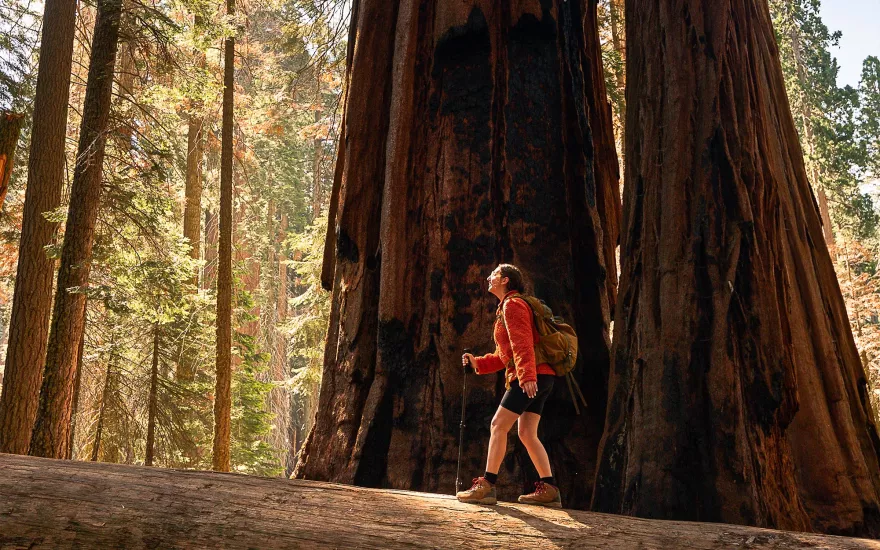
{"x":289,"y":75}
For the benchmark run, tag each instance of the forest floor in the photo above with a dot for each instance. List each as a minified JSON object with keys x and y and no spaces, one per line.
{"x":64,"y":504}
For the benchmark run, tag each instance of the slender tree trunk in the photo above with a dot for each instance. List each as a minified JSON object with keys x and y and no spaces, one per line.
{"x":281,"y":297}
{"x":52,"y":427}
{"x":32,"y":300}
{"x":279,"y":397}
{"x":212,"y":232}
{"x":102,"y":410}
{"x":317,"y":176}
{"x":244,"y":254}
{"x":737,"y":394}
{"x":192,"y":222}
{"x":10,"y":129}
{"x":192,"y":214}
{"x":223,"y":389}
{"x":472,"y":136}
{"x":615,"y":13}
{"x":153,"y":399}
{"x":76,"y":388}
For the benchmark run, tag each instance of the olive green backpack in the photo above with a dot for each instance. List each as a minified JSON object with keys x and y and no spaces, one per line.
{"x":557,"y":345}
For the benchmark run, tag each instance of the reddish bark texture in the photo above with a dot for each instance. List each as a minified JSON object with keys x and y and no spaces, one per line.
{"x":212,"y":233}
{"x":223,"y":386}
{"x":51,"y":435}
{"x":474,"y":134}
{"x":195,"y":152}
{"x":736,"y":391}
{"x":32,"y":301}
{"x":10,"y":128}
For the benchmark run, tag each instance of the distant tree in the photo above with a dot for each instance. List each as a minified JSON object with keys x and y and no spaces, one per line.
{"x":223,"y":389}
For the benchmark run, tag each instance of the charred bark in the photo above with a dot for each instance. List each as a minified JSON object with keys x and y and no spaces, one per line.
{"x":736,"y":390}
{"x":52,"y":427}
{"x":10,"y":129}
{"x":32,"y":300}
{"x":223,"y":387}
{"x":473,"y":135}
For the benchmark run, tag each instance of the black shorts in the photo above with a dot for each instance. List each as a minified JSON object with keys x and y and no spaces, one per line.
{"x":516,"y":400}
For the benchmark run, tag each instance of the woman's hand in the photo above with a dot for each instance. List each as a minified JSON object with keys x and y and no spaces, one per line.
{"x":466,"y":359}
{"x":530,"y":389}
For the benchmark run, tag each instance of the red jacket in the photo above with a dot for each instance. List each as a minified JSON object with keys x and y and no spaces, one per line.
{"x":515,"y":346}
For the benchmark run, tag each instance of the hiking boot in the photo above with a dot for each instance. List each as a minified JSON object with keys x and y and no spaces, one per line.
{"x":481,"y":492}
{"x":544,"y":495}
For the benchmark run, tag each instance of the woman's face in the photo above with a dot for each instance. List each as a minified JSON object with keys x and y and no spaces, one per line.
{"x":496,"y":281}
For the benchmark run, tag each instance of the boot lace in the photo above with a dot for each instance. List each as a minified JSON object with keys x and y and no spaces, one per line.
{"x":477,"y":483}
{"x":540,"y":488}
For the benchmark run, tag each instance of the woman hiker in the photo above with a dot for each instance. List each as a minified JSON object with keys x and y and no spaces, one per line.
{"x":528,"y":386}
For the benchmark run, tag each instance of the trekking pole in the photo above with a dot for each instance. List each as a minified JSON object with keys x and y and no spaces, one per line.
{"x":461,"y":424}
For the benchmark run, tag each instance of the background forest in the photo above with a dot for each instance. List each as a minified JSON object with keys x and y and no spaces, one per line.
{"x":145,"y":392}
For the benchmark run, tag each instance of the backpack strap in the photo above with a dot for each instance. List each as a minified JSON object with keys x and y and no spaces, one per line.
{"x":500,"y":311}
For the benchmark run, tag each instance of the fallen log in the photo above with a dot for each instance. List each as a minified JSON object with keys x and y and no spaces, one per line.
{"x":63,"y":504}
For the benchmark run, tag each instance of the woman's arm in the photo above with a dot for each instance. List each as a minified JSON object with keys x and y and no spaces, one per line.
{"x":489,"y":363}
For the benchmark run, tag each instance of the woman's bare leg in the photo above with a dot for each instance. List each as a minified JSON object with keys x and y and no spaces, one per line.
{"x":528,"y":434}
{"x":501,"y":424}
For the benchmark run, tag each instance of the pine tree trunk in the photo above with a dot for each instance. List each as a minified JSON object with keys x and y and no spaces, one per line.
{"x":212,"y":233}
{"x":279,"y":397}
{"x":32,"y":300}
{"x":76,"y":388}
{"x":192,"y":215}
{"x":223,"y":389}
{"x":317,"y":176}
{"x":244,"y":254}
{"x":102,"y":410}
{"x":281,"y":297}
{"x":52,"y":428}
{"x":736,"y":393}
{"x":10,"y":129}
{"x":153,"y":399}
{"x":615,"y":12}
{"x":472,"y":136}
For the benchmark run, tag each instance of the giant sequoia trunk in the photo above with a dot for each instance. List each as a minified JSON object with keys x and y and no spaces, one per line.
{"x":52,"y":428}
{"x":223,"y":386}
{"x":32,"y":301}
{"x":736,"y":391}
{"x":473,"y":134}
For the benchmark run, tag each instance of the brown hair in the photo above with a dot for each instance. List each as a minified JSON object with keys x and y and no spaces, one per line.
{"x":514,"y":276}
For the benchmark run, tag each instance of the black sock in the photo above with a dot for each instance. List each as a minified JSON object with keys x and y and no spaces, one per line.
{"x":549,"y":480}
{"x":491,"y":478}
